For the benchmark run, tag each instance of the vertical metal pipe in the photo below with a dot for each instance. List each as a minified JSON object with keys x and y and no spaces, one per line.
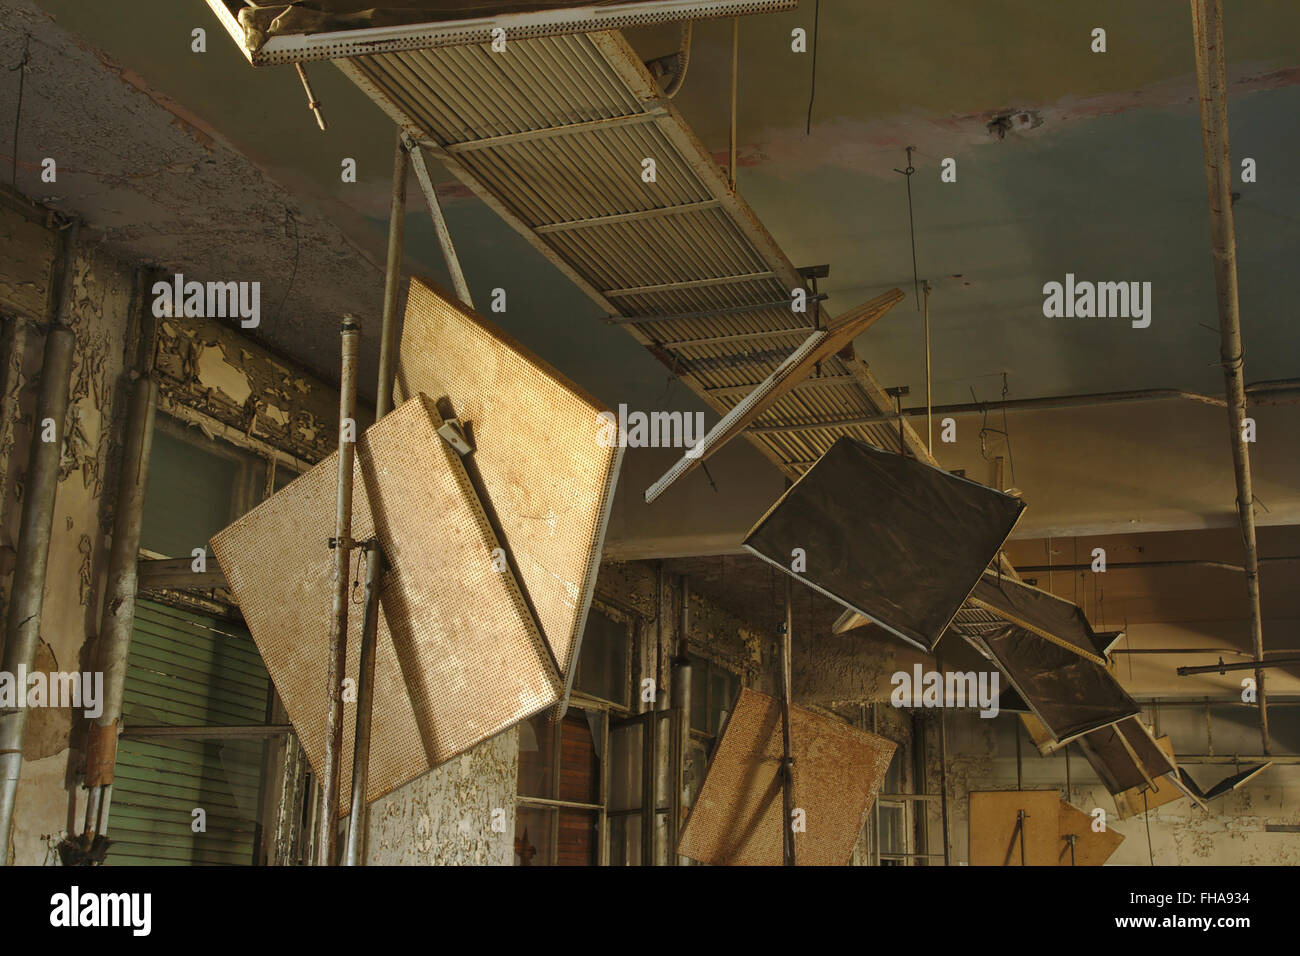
{"x":114,"y":642}
{"x":27,"y":594}
{"x":1211,"y":80}
{"x":392,"y":282}
{"x":365,"y":706}
{"x":439,"y":221}
{"x":327,"y":837}
{"x":787,"y":763}
{"x":929,"y":401}
{"x":681,"y":697}
{"x":943,"y":788}
{"x":735,"y":85}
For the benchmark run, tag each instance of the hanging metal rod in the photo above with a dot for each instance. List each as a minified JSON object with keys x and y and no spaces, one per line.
{"x":690,"y":284}
{"x":621,"y":217}
{"x":783,"y":304}
{"x":1121,"y":565}
{"x":548,"y":132}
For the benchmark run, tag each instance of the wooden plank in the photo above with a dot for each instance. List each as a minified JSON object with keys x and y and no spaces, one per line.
{"x":996,"y":833}
{"x":179,"y":573}
{"x":797,"y":367}
{"x":1129,"y":803}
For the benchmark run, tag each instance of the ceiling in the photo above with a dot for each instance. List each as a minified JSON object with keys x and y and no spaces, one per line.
{"x":219,"y":170}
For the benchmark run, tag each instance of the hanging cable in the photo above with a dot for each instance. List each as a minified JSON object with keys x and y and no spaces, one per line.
{"x":683,"y":62}
{"x":21,"y":68}
{"x":812,"y":92}
{"x":911,"y":223}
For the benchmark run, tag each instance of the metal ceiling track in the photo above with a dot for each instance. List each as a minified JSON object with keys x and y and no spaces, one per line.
{"x":552,"y":135}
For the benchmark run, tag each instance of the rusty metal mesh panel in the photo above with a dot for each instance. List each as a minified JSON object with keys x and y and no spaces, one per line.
{"x":458,"y":659}
{"x":838,"y":771}
{"x":537,"y":459}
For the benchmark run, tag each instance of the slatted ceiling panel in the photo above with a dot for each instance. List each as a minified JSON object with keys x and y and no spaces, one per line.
{"x":716,"y":254}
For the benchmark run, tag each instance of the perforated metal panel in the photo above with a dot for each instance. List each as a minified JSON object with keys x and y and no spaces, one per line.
{"x":537,"y":459}
{"x":459,"y":657}
{"x":737,"y":818}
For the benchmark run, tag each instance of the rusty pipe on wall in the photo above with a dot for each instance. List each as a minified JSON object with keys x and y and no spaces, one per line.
{"x":327,"y":822}
{"x":36,"y":525}
{"x":1211,"y":82}
{"x":119,"y":598}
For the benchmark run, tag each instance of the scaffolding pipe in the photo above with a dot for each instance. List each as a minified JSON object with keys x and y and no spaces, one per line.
{"x":439,"y":221}
{"x":681,"y":698}
{"x":1211,"y":81}
{"x":787,"y":762}
{"x":355,"y":846}
{"x":392,"y":281}
{"x":735,"y":85}
{"x":341,"y":543}
{"x":119,"y":598}
{"x":929,"y":399}
{"x":26,"y":596}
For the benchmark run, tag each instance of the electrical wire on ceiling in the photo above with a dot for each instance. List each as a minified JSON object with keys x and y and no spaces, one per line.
{"x":812,"y":92}
{"x":911,"y":223}
{"x":1003,"y":431}
{"x":21,"y":69}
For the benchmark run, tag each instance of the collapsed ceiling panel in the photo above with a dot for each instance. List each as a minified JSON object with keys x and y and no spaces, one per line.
{"x":1167,"y":789}
{"x":886,"y":536}
{"x":1050,"y":617}
{"x":1069,"y":694}
{"x":1126,"y":756}
{"x":680,"y":262}
{"x":279,"y":31}
{"x":544,"y":476}
{"x":1226,"y":785}
{"x":737,"y":818}
{"x":458,"y":655}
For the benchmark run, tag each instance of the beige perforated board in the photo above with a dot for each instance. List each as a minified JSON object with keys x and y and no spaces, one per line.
{"x":537,"y":455}
{"x":459,"y":658}
{"x":838,"y":770}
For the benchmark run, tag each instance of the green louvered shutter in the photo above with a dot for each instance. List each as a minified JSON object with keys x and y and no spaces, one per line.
{"x":186,"y":669}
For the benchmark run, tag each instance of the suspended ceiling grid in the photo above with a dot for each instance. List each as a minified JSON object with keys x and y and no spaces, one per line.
{"x":552,"y":135}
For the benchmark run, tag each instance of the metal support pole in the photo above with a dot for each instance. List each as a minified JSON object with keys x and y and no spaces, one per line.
{"x":119,"y":598}
{"x":929,"y":401}
{"x":1211,"y":81}
{"x":365,"y":706}
{"x":439,"y":221}
{"x":735,"y":85}
{"x":392,"y":282}
{"x":26,"y":597}
{"x":943,"y":786}
{"x":681,"y":699}
{"x":787,"y":763}
{"x":327,"y":823}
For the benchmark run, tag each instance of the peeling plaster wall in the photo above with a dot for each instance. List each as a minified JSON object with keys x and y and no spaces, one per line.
{"x":445,"y":817}
{"x":49,"y":789}
{"x":207,"y":366}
